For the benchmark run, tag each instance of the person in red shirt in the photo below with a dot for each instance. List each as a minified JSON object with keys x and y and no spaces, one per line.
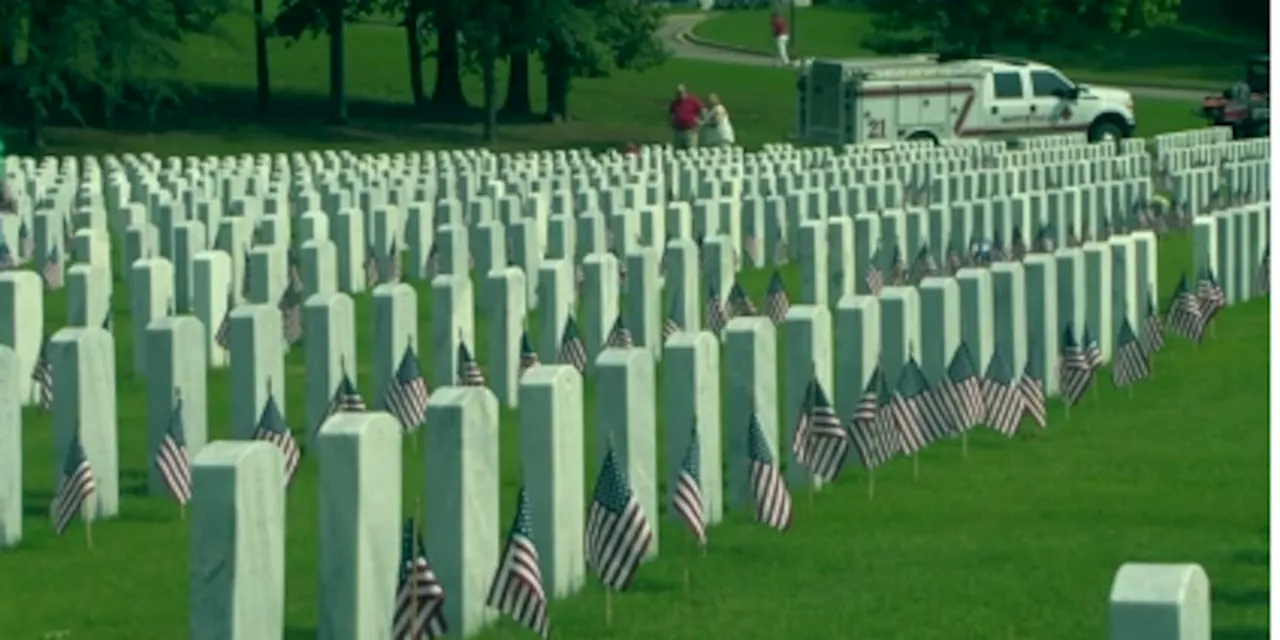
{"x":781,"y":37}
{"x":685,"y":113}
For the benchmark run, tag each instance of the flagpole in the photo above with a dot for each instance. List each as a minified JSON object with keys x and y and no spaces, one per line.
{"x":688,"y":563}
{"x":964,"y":445}
{"x":608,"y":607}
{"x":915,"y":465}
{"x":414,"y":631}
{"x":871,"y":484}
{"x":88,"y":530}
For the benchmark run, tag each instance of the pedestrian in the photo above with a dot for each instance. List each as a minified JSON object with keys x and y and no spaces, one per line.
{"x":685,"y":113}
{"x":717,"y":128}
{"x":781,"y":38}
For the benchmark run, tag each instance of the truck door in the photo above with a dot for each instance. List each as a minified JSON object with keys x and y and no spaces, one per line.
{"x":1049,"y":107}
{"x":1008,"y":110}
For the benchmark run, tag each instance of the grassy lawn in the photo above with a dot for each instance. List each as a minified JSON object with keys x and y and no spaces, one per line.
{"x":608,"y":112}
{"x":1187,"y":54}
{"x":1019,"y":540}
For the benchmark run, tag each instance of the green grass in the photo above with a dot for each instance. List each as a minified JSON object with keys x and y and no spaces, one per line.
{"x":1188,"y":54}
{"x":1019,"y":540}
{"x":608,"y":112}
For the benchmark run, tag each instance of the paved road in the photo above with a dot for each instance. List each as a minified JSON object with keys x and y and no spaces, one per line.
{"x":676,"y":29}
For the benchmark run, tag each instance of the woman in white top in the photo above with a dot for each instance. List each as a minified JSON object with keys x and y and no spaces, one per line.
{"x":717,"y":129}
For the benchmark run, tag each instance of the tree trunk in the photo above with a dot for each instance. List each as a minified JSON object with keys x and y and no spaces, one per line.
{"x":260,"y":50}
{"x":490,"y":81}
{"x":518,"y":103}
{"x":447,"y":95}
{"x":337,"y":63}
{"x":558,"y":80}
{"x":413,"y":37}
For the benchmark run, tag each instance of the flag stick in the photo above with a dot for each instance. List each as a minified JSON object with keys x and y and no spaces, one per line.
{"x":915,"y":465}
{"x":88,"y":533}
{"x":813,"y":483}
{"x":688,"y":562}
{"x":964,"y":444}
{"x":871,"y":484}
{"x":413,"y":596}
{"x":182,"y":512}
{"x":608,"y":607}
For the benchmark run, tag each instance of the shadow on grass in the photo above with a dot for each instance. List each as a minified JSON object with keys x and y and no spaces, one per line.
{"x":1240,"y":633}
{"x":1242,"y":597}
{"x":299,"y":120}
{"x":299,"y":633}
{"x":1257,"y":557}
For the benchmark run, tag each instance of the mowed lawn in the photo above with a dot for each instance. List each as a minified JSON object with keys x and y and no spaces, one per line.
{"x":1195,"y":53}
{"x":1019,"y":540}
{"x":607,"y":112}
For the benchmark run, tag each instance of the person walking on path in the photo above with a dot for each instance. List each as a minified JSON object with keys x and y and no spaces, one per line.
{"x":781,"y":37}
{"x":685,"y":113}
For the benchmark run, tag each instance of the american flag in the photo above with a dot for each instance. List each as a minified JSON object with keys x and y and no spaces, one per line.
{"x":740,"y":304}
{"x":930,"y":406}
{"x":271,"y":428}
{"x":1212,"y":299}
{"x":469,"y":373}
{"x":42,"y":375}
{"x":1131,"y":358}
{"x":573,"y":350}
{"x":776,"y":301}
{"x":897,"y":269}
{"x":1185,"y":315}
{"x":26,"y":243}
{"x":1075,"y":374}
{"x":717,"y":316}
{"x":528,"y":357}
{"x":953,"y":261}
{"x":687,"y":499}
{"x":53,"y":269}
{"x":618,"y":535}
{"x":871,"y":427}
{"x":432,"y":266}
{"x":295,"y":271}
{"x":108,"y":317}
{"x":1092,"y":352}
{"x":1044,"y":240}
{"x":924,"y":265}
{"x":224,"y":327}
{"x":1018,"y":245}
{"x":517,"y":589}
{"x":244,"y":275}
{"x":670,"y":326}
{"x":171,"y":458}
{"x":1031,"y":388}
{"x":780,"y":249}
{"x":821,"y":441}
{"x":768,"y":487}
{"x":998,"y":251}
{"x":7,"y":259}
{"x":346,"y":398}
{"x":875,"y":277}
{"x":1152,"y":328}
{"x":1264,"y":272}
{"x":74,"y":487}
{"x":419,"y":613}
{"x":961,"y":391}
{"x":905,"y":409}
{"x":751,"y":246}
{"x":406,"y":395}
{"x":371,"y":274}
{"x":1000,"y":394}
{"x":395,"y":264}
{"x":619,"y":336}
{"x":291,"y":315}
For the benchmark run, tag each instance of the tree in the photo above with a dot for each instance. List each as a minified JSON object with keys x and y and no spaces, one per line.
{"x":330,"y":17}
{"x":261,"y":64}
{"x":450,"y":19}
{"x":485,"y":31}
{"x":520,"y":39}
{"x":984,"y":26}
{"x":592,"y":38}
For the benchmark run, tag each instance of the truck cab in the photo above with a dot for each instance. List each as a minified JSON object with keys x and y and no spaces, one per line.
{"x":1024,"y":97}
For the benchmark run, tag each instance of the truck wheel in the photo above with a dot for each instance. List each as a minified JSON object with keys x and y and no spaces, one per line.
{"x":1105,"y":130}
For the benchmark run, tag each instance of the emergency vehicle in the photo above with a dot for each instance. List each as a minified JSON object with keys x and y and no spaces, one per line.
{"x":927,"y":98}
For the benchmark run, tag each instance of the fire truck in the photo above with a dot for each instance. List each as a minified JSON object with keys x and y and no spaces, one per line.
{"x":932,"y":98}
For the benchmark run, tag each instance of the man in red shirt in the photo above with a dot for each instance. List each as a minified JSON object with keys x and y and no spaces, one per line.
{"x":781,"y":37}
{"x":685,"y":113}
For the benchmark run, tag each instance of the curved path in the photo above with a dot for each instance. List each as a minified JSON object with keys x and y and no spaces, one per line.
{"x":677,"y":34}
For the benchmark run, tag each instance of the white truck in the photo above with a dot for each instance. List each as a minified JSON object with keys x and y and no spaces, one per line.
{"x":925,"y":98}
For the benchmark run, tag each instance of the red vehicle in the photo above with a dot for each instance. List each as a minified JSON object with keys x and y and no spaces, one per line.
{"x":1246,"y":106}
